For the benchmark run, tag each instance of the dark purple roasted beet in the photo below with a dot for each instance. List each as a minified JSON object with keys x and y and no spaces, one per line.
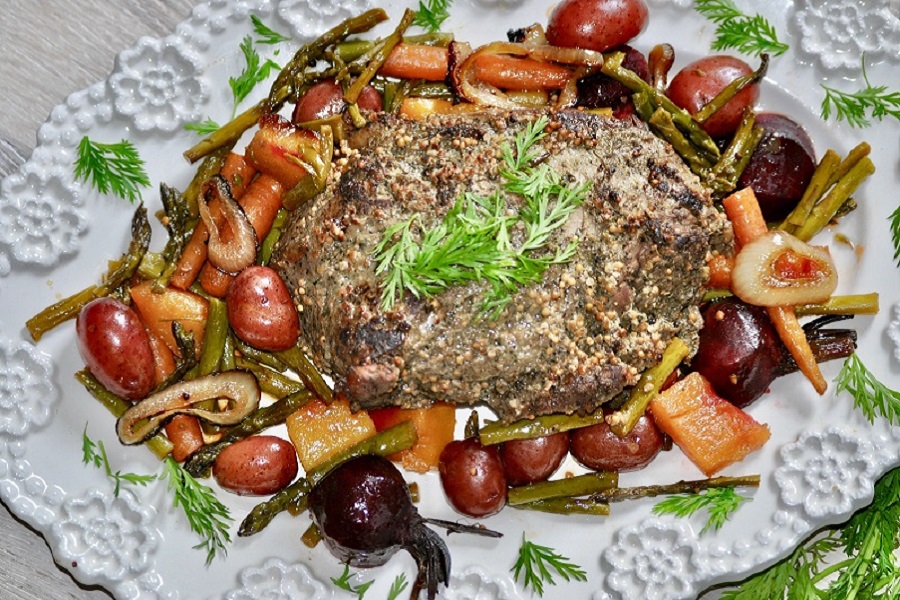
{"x":739,"y":350}
{"x":365,"y":514}
{"x":601,"y":91}
{"x":781,"y":166}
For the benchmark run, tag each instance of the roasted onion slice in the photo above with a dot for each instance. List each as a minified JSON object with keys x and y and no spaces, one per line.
{"x":778,"y":269}
{"x":238,"y":388}
{"x":232,"y":240}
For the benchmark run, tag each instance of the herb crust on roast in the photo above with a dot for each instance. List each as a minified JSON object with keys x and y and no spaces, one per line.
{"x":569,"y":343}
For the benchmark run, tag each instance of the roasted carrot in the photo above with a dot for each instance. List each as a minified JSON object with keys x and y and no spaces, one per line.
{"x":748,"y":223}
{"x":416,"y":61}
{"x":513,"y":73}
{"x":238,"y":172}
{"x":720,"y":268}
{"x":186,"y":435}
{"x":260,"y":202}
{"x":163,"y":359}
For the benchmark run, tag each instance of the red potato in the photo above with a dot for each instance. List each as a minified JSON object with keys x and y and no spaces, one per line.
{"x":261,"y":311}
{"x":326,"y":99}
{"x":694,"y":86}
{"x":256,"y":466}
{"x":596,"y":24}
{"x":535,"y":459}
{"x":472,"y":477}
{"x":116,"y":348}
{"x":597,"y":447}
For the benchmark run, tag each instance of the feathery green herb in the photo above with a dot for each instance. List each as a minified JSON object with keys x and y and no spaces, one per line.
{"x":719,"y":503}
{"x":535,"y":563}
{"x":870,"y":570}
{"x":266,"y":34}
{"x":208,"y":517}
{"x":735,"y":30}
{"x":254,"y":72}
{"x":858,"y":108}
{"x":431,"y":14}
{"x":397,"y":587}
{"x":95,"y":453}
{"x":895,"y":233}
{"x":870,"y":396}
{"x":203,"y":127}
{"x":343,"y":582}
{"x":116,"y":168}
{"x":473,"y":242}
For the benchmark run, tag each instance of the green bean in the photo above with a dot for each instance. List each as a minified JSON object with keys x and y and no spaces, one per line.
{"x":612,"y":66}
{"x":731,"y":90}
{"x":201,"y":461}
{"x":681,"y":487}
{"x":158,"y":443}
{"x":120,"y":273}
{"x":662,"y":123}
{"x":214,"y":335}
{"x":580,"y":485}
{"x":724,"y":175}
{"x":270,"y":381}
{"x":377,"y":56}
{"x":296,"y":360}
{"x":853,"y":304}
{"x":294,"y":497}
{"x":497,"y":432}
{"x":827,"y":208}
{"x":259,"y":356}
{"x":351,"y":50}
{"x":228,"y":359}
{"x":568,"y":506}
{"x":623,"y":420}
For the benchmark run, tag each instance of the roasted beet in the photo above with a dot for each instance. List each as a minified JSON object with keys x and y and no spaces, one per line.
{"x":365,"y":514}
{"x":739,"y":350}
{"x":601,"y":91}
{"x":781,"y":166}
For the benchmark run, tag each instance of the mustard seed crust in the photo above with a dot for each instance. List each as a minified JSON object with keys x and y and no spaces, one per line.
{"x":568,"y":344}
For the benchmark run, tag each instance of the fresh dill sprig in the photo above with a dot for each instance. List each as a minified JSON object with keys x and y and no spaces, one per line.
{"x":254,"y":72}
{"x":266,"y":34}
{"x":431,"y":14}
{"x":343,"y":582}
{"x":719,"y":503}
{"x":870,"y":396}
{"x":473,"y":241}
{"x":207,"y":516}
{"x":95,"y":453}
{"x":858,"y":108}
{"x":735,"y":30}
{"x":895,"y":233}
{"x":535,"y":563}
{"x":399,"y":584}
{"x":116,"y":168}
{"x":203,"y":127}
{"x":870,"y":569}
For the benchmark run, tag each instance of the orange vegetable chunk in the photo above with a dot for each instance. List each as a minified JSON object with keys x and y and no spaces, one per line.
{"x":319,"y":431}
{"x":434,"y":430}
{"x":711,"y":431}
{"x":159,"y":310}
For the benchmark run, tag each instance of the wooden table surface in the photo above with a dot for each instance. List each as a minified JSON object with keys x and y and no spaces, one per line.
{"x":50,"y":49}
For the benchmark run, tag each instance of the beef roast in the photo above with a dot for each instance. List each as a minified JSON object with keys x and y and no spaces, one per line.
{"x":569,"y":343}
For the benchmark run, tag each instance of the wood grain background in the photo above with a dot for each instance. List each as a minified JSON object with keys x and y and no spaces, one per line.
{"x":49,"y":49}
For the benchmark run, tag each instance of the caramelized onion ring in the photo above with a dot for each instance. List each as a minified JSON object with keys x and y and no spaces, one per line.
{"x":231,"y":247}
{"x":239,"y":388}
{"x":778,"y":269}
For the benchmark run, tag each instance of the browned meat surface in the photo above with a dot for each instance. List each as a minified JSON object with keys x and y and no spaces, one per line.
{"x":568,"y":344}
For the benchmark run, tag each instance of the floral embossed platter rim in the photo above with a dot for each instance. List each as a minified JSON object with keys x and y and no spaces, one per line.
{"x":136,"y":547}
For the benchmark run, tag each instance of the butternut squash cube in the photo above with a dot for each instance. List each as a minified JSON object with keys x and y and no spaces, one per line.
{"x":711,"y":431}
{"x":434,"y":430}
{"x":319,"y":431}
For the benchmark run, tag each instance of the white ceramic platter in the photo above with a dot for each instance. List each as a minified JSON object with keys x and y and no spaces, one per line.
{"x":56,"y":235}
